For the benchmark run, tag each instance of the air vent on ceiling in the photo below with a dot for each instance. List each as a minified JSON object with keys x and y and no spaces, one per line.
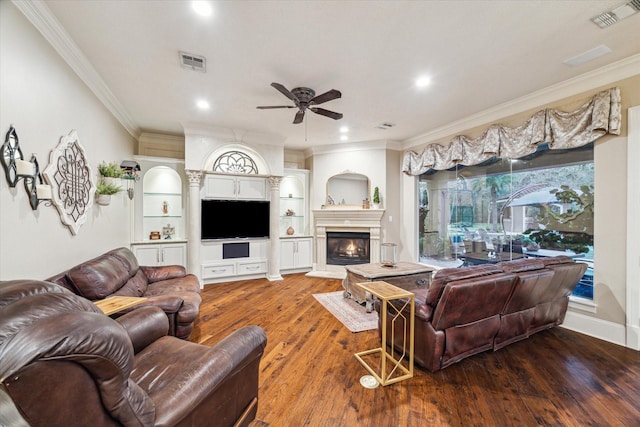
{"x":385,"y":126}
{"x":193,"y":62}
{"x":618,"y":13}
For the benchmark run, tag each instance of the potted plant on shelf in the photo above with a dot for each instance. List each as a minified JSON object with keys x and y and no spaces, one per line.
{"x":110,"y":172}
{"x":376,"y":198}
{"x":104,"y":191}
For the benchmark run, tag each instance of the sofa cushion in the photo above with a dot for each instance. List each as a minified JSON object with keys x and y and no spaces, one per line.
{"x":560,"y":259}
{"x":99,"y":277}
{"x":461,"y":302}
{"x":135,"y":286}
{"x":446,"y":275}
{"x":521,"y":265}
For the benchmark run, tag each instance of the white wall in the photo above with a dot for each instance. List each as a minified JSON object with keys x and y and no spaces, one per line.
{"x":365,"y":159}
{"x":44,"y":99}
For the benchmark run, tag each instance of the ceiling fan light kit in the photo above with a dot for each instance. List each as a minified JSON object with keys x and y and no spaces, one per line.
{"x":305,"y":98}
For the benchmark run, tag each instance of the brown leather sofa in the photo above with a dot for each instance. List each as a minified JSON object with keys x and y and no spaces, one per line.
{"x":64,"y":363}
{"x":469,"y":310}
{"x":117,"y":273}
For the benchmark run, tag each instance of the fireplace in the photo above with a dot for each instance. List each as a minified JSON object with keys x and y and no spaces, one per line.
{"x":343,"y":220}
{"x":347,"y":248}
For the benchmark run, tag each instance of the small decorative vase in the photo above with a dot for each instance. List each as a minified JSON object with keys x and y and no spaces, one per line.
{"x":290,"y":231}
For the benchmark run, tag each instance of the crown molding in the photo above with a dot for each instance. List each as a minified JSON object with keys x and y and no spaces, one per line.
{"x":44,"y":21}
{"x":608,"y":74}
{"x":354,"y":146}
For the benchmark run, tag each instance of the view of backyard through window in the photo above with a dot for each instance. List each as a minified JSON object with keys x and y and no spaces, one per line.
{"x":502,"y":209}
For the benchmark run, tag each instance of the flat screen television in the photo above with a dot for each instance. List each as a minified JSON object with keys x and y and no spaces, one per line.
{"x":234,"y":219}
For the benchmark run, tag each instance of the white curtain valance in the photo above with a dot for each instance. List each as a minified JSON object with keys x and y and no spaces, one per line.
{"x":561,"y":130}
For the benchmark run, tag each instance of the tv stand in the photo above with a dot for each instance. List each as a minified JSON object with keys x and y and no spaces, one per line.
{"x":233,"y":259}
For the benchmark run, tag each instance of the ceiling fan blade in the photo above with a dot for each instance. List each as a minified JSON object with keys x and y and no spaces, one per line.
{"x":275,"y":106}
{"x":327,"y":96}
{"x":286,"y":92}
{"x":299,"y":117}
{"x":322,"y":111}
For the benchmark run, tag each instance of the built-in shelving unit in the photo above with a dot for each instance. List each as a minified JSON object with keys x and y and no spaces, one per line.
{"x":158,"y":206}
{"x":296,"y":244}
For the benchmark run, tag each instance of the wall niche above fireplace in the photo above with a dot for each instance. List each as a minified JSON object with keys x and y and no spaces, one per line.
{"x":347,"y":190}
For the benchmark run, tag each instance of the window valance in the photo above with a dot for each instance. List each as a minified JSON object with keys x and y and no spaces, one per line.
{"x":600,"y":116}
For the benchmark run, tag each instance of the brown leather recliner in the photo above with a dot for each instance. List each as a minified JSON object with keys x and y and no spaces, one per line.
{"x":473,"y":309}
{"x":117,"y":273}
{"x":64,"y":363}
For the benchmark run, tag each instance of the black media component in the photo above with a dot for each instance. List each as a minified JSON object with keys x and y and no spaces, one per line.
{"x":234,"y":219}
{"x":235,"y":250}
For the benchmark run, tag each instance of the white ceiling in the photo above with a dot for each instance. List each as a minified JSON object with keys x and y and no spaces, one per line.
{"x":479,"y":54}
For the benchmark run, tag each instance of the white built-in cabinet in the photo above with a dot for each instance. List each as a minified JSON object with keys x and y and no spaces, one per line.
{"x":215,"y":266}
{"x":158,"y":206}
{"x":158,"y":254}
{"x":296,"y":244}
{"x":296,"y":254}
{"x":231,"y":187}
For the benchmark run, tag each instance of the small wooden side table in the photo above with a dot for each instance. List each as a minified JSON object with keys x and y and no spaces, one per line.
{"x":386,"y":292}
{"x":115,"y":304}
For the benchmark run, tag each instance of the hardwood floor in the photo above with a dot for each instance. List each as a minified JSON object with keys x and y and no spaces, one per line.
{"x":310,"y":377}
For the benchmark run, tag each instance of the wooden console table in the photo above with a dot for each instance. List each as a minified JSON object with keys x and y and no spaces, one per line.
{"x":386,"y":292}
{"x":115,"y":304}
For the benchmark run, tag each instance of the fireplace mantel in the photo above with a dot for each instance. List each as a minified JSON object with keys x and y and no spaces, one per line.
{"x":366,"y":220}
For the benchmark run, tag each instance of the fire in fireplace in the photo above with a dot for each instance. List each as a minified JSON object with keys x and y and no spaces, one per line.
{"x":347,"y":248}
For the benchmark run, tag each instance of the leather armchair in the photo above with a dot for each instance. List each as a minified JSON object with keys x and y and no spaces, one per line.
{"x":64,"y":363}
{"x":117,"y":273}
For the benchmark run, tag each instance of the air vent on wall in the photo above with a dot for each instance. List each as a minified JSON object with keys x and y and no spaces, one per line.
{"x":618,"y":13}
{"x":193,"y":62}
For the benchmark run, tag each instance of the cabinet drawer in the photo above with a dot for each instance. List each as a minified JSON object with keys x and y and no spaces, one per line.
{"x":219,"y":270}
{"x":252,"y":267}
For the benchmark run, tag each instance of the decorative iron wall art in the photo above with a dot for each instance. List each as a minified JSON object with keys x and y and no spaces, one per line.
{"x":71,"y":177}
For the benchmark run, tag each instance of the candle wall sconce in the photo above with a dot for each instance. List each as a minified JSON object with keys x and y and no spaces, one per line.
{"x":35,"y":187}
{"x":17,"y":168}
{"x":11,"y":153}
{"x":130,"y":169}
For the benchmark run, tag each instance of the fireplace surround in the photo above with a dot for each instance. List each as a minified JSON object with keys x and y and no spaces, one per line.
{"x":341,"y":221}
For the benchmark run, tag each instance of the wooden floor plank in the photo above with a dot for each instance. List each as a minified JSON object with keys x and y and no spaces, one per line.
{"x":310,"y":377}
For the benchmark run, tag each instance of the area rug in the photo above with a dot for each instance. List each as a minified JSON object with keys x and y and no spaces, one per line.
{"x":352,"y":315}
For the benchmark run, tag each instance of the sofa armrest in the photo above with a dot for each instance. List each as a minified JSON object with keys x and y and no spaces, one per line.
{"x":164,"y":272}
{"x":206,"y":375}
{"x":144,"y":325}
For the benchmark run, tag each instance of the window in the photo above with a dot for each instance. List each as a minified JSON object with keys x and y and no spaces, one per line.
{"x":540,"y":205}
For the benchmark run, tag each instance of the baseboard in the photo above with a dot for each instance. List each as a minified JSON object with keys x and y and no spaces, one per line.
{"x":594,"y":327}
{"x":633,"y":337}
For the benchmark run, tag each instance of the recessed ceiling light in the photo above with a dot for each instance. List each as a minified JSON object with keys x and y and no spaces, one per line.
{"x":423,"y":81}
{"x":202,"y":8}
{"x":344,"y":129}
{"x":344,"y":138}
{"x":203,"y":105}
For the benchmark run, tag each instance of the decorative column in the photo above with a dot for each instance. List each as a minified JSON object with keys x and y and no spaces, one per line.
{"x":274,"y":229}
{"x":193,"y":235}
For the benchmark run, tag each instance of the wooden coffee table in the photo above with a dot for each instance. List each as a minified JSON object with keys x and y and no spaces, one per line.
{"x":405,"y":275}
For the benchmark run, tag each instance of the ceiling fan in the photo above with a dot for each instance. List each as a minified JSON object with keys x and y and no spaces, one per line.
{"x":305,"y":98}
